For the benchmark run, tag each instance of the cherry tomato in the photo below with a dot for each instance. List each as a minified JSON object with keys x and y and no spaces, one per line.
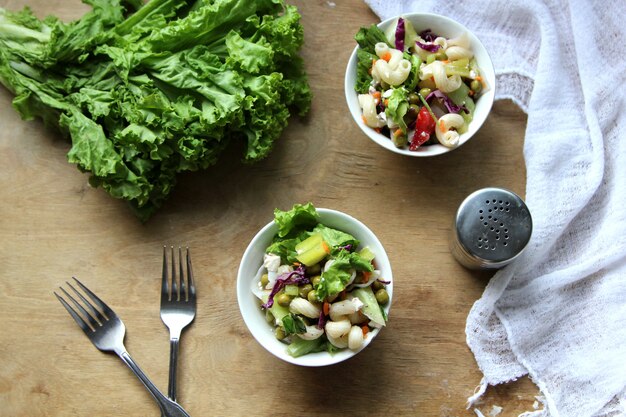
{"x":424,"y":127}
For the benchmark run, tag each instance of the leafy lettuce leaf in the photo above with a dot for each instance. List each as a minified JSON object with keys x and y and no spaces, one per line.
{"x":293,"y":324}
{"x":301,"y":217}
{"x":334,"y":238}
{"x":336,"y":277}
{"x":148,"y":91}
{"x":414,"y":75}
{"x":293,"y":227}
{"x":397,"y":107}
{"x":365,"y":60}
{"x":367,"y":38}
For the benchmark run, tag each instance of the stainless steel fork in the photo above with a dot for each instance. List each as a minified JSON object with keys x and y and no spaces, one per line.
{"x":178,"y":306}
{"x":106,"y":331}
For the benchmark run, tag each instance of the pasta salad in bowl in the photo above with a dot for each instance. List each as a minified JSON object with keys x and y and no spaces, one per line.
{"x":419,"y":84}
{"x":314,"y":286}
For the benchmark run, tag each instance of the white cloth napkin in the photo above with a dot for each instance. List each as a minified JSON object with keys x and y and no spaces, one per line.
{"x":558,"y":313}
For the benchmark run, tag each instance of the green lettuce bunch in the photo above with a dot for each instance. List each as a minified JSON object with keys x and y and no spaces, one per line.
{"x":147,"y":91}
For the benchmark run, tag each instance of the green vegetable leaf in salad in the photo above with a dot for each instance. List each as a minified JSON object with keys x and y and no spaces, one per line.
{"x":293,"y":324}
{"x":367,"y":38}
{"x":285,"y":248}
{"x":364,"y":64}
{"x":300,"y":218}
{"x":335,"y":277}
{"x":297,"y":225}
{"x":335,"y":238}
{"x":357,"y":260}
{"x":414,"y":75}
{"x":397,"y":107}
{"x":146,"y":91}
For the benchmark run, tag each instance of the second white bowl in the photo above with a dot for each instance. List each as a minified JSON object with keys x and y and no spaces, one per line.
{"x":448,"y":28}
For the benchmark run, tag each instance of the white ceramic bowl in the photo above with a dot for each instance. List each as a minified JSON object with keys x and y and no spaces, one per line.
{"x":249,"y":305}
{"x":448,"y":28}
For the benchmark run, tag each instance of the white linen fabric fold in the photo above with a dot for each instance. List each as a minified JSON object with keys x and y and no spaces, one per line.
{"x":557,"y":313}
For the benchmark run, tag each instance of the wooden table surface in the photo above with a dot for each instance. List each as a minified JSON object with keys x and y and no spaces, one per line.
{"x":54,"y":226}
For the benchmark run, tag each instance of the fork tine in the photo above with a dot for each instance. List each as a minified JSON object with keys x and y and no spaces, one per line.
{"x":101,"y":305}
{"x":192,"y":286}
{"x":174,"y":278}
{"x":77,"y":318}
{"x":165,"y":292}
{"x":183,"y":287}
{"x":95,"y":313}
{"x":93,"y":323}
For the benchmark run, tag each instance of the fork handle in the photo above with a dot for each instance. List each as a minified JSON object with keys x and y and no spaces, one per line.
{"x":168,"y":407}
{"x":171,"y":387}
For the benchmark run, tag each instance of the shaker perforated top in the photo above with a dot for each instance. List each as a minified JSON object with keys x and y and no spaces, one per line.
{"x":492,"y":227}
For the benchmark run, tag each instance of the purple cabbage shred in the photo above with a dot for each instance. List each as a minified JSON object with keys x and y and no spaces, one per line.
{"x":382,"y":281}
{"x":400,"y":34}
{"x":321,"y":322}
{"x":295,"y":277}
{"x":428,"y":35}
{"x":450,"y":105}
{"x":430,"y":47}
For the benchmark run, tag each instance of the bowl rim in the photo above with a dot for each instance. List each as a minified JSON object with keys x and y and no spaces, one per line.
{"x":437,"y":149}
{"x":244,"y":295}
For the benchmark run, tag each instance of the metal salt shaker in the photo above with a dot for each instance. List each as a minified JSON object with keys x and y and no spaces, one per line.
{"x":491,"y":228}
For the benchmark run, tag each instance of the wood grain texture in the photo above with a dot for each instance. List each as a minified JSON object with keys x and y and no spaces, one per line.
{"x":53,"y":226}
